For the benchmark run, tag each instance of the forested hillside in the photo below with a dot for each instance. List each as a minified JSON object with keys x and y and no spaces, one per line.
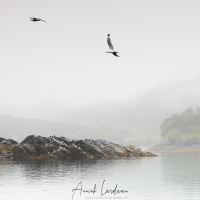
{"x":183,"y":128}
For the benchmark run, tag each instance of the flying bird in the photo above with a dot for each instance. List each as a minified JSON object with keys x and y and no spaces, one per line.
{"x":111,"y":47}
{"x":34,"y":19}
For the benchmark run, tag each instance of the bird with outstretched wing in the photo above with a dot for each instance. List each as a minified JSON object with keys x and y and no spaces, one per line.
{"x":111,"y":47}
{"x":34,"y":19}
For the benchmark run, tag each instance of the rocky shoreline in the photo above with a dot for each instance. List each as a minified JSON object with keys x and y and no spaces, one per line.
{"x":6,"y":146}
{"x":52,"y":147}
{"x":162,"y":148}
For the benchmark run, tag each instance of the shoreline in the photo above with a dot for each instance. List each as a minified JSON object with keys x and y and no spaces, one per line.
{"x":175,"y":149}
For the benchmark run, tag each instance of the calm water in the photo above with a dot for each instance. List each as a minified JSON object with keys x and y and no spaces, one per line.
{"x":172,"y":176}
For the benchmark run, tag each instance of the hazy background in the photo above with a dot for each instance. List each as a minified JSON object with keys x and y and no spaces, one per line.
{"x":58,"y":75}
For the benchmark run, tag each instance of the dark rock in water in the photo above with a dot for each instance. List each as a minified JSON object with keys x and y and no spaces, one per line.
{"x":38,"y":147}
{"x":6,"y":146}
{"x":4,"y":141}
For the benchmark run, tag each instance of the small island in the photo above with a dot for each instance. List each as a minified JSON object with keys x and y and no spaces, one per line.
{"x":52,"y":147}
{"x":180,"y":133}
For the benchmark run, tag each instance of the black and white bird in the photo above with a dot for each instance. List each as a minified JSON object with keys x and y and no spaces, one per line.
{"x":34,"y":19}
{"x":111,"y":47}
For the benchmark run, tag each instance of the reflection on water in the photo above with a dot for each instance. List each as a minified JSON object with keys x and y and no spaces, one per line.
{"x":181,"y":171}
{"x":169,"y":176}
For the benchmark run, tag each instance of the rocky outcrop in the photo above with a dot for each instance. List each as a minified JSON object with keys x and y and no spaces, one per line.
{"x":4,"y":141}
{"x":38,"y":147}
{"x":6,"y":146}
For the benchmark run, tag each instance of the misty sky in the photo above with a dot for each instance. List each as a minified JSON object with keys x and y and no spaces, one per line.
{"x":62,"y":63}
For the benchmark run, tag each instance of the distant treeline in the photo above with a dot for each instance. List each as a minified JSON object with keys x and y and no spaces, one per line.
{"x":18,"y":128}
{"x":183,"y":128}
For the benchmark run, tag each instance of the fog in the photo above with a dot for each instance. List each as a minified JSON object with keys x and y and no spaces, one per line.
{"x":58,"y":73}
{"x":134,"y":121}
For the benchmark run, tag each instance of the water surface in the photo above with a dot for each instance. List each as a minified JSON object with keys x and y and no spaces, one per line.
{"x":169,"y":176}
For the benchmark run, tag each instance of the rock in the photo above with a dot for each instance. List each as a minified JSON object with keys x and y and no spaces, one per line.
{"x":4,"y":141}
{"x":38,"y":147}
{"x":6,"y":146}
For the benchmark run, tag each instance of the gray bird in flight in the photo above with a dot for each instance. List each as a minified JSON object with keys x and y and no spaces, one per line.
{"x":34,"y":19}
{"x":111,"y":47}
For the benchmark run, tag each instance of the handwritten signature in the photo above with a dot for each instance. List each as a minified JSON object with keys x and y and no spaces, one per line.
{"x":80,"y":190}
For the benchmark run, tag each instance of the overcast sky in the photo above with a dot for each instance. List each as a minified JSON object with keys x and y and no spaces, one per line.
{"x":63,"y":64}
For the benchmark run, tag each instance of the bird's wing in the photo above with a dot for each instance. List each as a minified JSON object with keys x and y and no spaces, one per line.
{"x":110,"y":43}
{"x":34,"y":19}
{"x":115,"y":54}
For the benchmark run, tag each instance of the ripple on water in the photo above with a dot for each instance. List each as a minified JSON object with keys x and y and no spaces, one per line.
{"x":175,"y":176}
